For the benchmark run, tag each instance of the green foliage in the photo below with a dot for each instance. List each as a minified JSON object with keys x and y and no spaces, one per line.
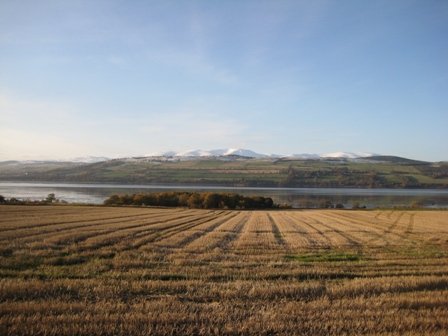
{"x":197,"y":200}
{"x":357,"y":205}
{"x":51,"y":198}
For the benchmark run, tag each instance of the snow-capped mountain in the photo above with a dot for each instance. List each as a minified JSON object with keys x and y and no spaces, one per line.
{"x":165,"y":154}
{"x":200,"y":153}
{"x":83,"y":159}
{"x":244,"y":152}
{"x":90,"y":159}
{"x":346,"y":155}
{"x":209,"y":153}
{"x":225,"y":154}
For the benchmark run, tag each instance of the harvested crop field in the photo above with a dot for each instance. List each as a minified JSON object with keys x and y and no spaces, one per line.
{"x":72,"y":270}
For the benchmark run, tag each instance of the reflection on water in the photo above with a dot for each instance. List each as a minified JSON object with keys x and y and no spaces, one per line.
{"x":296,"y":197}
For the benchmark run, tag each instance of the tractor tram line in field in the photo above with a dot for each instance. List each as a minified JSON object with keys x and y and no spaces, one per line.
{"x":224,"y":237}
{"x":347,"y":239}
{"x":344,"y":229}
{"x":294,"y":235}
{"x":321,"y":240}
{"x":178,"y":239}
{"x":123,"y":238}
{"x":91,"y":228}
{"x":277,"y":233}
{"x":85,"y":223}
{"x":347,"y":227}
{"x":56,"y":226}
{"x":171,"y":230}
{"x":61,"y":218}
{"x":410,"y":226}
{"x":114,"y":235}
{"x":84,"y":270}
{"x":203,"y":232}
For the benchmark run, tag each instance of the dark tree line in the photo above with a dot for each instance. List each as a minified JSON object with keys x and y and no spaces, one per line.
{"x":345,"y":177}
{"x":198,"y":200}
{"x":330,"y":178}
{"x":50,"y":199}
{"x":435,"y":171}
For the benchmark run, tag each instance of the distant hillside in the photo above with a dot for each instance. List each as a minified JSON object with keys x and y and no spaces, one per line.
{"x":235,"y":170}
{"x":396,"y":159}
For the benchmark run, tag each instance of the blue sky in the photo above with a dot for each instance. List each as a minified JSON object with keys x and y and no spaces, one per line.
{"x":121,"y":78}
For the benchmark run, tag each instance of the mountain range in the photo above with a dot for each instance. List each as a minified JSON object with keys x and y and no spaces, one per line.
{"x":232,"y":152}
{"x":252,"y":154}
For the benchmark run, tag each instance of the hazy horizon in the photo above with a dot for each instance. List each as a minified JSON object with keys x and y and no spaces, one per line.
{"x":119,"y":79}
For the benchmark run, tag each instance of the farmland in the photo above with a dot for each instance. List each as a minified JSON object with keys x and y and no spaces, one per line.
{"x":389,"y":172}
{"x":67,"y":270}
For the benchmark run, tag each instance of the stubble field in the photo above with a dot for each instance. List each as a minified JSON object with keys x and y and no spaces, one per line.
{"x":71,"y":270}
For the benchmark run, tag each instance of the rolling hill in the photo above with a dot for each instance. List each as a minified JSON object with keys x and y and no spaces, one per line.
{"x":238,"y":168}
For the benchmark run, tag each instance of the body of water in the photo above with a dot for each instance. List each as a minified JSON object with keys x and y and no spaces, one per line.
{"x":296,"y":197}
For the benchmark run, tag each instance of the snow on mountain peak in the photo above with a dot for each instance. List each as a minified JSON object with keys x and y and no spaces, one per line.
{"x":243,"y":152}
{"x":196,"y":152}
{"x":166,"y":154}
{"x":305,"y":156}
{"x":345,"y":155}
{"x":89,"y":159}
{"x":213,"y":152}
{"x":251,"y":154}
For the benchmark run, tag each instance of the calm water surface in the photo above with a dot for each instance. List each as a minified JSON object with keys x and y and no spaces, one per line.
{"x":296,"y":197}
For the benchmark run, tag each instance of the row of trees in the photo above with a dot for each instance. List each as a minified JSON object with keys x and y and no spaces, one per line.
{"x":198,"y":200}
{"x":51,"y":198}
{"x":438,"y":171}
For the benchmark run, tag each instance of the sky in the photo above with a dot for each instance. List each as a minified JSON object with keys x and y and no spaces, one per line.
{"x":123,"y":78}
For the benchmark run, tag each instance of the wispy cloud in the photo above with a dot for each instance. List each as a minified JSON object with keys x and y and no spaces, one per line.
{"x":28,"y":145}
{"x":193,"y":129}
{"x":38,"y":129}
{"x":14,"y":108}
{"x":129,"y":79}
{"x":193,"y":63}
